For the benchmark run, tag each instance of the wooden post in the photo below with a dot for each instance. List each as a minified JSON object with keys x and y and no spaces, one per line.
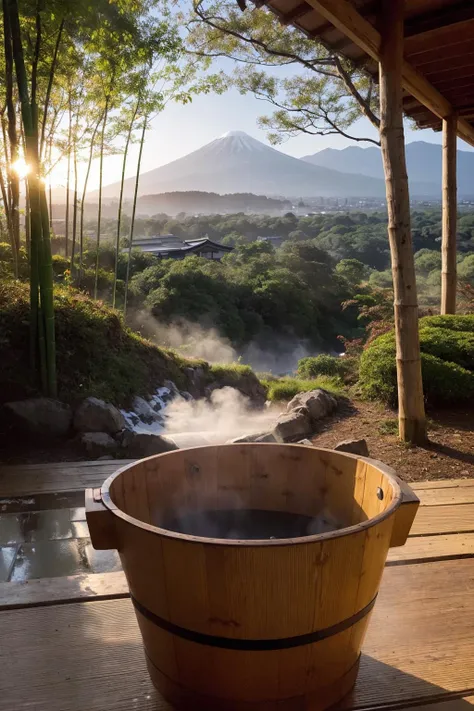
{"x":412,"y":421}
{"x":448,"y":249}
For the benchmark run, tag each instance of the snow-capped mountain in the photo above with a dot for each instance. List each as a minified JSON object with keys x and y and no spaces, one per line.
{"x":236,"y":163}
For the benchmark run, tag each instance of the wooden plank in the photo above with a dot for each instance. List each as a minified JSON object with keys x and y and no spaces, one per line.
{"x":343,"y":15}
{"x":419,"y":650}
{"x":441,"y":484}
{"x":74,"y":588}
{"x":25,"y":480}
{"x":431,"y":520}
{"x":428,"y":548}
{"x":442,"y":497}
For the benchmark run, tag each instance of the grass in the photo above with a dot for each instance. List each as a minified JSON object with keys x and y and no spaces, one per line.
{"x":230,"y":371}
{"x":388,"y":426}
{"x":96,"y":353}
{"x":286,"y":388}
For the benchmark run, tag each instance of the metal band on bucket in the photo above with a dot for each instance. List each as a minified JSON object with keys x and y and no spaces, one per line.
{"x":252,"y":645}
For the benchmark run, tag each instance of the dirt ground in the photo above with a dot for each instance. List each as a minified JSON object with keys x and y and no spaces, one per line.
{"x":448,"y":455}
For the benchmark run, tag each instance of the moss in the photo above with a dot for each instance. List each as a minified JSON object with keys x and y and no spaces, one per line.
{"x":96,"y":353}
{"x":230,"y":371}
{"x":287,"y":388}
{"x":447,"y":361}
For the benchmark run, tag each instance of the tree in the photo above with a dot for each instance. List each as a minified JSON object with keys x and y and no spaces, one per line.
{"x":325,"y":95}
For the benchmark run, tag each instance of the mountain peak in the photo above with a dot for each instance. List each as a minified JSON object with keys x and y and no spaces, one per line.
{"x":235,"y":134}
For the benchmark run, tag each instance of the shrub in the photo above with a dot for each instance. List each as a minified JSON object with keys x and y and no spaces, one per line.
{"x":96,"y":353}
{"x":287,"y":388}
{"x":311,"y":367}
{"x":60,"y":264}
{"x":447,"y":361}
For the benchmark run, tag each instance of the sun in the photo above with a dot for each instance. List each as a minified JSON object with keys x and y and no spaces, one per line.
{"x":21,"y":167}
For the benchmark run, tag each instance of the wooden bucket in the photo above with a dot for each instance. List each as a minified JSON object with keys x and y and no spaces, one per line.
{"x":257,"y":625}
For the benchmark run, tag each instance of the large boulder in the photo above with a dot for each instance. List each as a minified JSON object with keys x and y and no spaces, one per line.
{"x":40,"y":416}
{"x":136,"y":445}
{"x":353,"y":446}
{"x":293,"y":426}
{"x":319,"y":403}
{"x":94,"y":415}
{"x":259,"y":437}
{"x":98,"y":444}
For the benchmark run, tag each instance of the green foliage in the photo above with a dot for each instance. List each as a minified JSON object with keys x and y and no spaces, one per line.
{"x":230,"y":371}
{"x":447,"y":358}
{"x":97,"y":354}
{"x":312,"y":366}
{"x":388,"y":426}
{"x":255,"y":289}
{"x":287,"y":388}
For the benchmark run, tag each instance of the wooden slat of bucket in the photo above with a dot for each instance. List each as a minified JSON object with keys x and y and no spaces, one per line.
{"x":431,"y":520}
{"x":78,"y":656}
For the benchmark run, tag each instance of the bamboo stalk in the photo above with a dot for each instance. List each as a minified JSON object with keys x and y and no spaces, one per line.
{"x":132,"y":222}
{"x":449,"y":217}
{"x":74,"y":212}
{"x":47,"y":295}
{"x":119,"y":215}
{"x":99,"y":213}
{"x":68,"y":176}
{"x":412,"y":422}
{"x":83,"y":197}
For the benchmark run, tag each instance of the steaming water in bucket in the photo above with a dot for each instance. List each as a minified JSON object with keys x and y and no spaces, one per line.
{"x":247,"y":524}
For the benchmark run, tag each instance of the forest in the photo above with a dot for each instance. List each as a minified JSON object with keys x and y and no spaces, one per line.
{"x":81,"y":82}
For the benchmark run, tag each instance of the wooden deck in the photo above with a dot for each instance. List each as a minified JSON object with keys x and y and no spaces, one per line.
{"x":70,"y":644}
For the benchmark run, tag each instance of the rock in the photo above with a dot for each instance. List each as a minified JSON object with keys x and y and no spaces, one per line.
{"x":98,"y":444}
{"x":319,"y":402}
{"x":40,"y":416}
{"x":197,"y":380}
{"x":94,"y":415}
{"x":144,"y":444}
{"x":292,"y":426}
{"x":259,"y":437}
{"x":306,"y":442}
{"x":353,"y":446}
{"x":143,"y":410}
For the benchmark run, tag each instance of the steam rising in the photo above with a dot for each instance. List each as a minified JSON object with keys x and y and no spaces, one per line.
{"x":269,"y":353}
{"x":227,"y":413}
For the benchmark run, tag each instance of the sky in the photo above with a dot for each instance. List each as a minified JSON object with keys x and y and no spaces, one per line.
{"x":182,"y":129}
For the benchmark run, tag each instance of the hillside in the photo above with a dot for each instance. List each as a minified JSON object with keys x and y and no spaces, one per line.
{"x":238,"y":163}
{"x":423,"y":164}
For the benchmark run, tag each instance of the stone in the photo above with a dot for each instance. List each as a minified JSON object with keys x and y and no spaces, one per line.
{"x":197,"y":380}
{"x":259,"y":437}
{"x":94,"y":415}
{"x":319,"y":402}
{"x":306,"y":442}
{"x":98,"y":444}
{"x":144,"y":444}
{"x":353,"y":446}
{"x":41,"y":416}
{"x":143,"y":410}
{"x":293,"y":426}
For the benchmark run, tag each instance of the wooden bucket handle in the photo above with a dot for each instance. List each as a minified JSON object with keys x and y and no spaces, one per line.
{"x":404,"y":516}
{"x":100,"y":521}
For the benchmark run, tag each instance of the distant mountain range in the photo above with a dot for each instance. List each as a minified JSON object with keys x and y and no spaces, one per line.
{"x":238,"y":163}
{"x":423,"y":165}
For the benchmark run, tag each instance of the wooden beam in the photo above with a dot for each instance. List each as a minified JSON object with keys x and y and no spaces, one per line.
{"x":433,"y":21}
{"x":448,"y":246}
{"x":302,"y":9}
{"x":441,"y":37}
{"x":411,"y":413}
{"x":343,"y":15}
